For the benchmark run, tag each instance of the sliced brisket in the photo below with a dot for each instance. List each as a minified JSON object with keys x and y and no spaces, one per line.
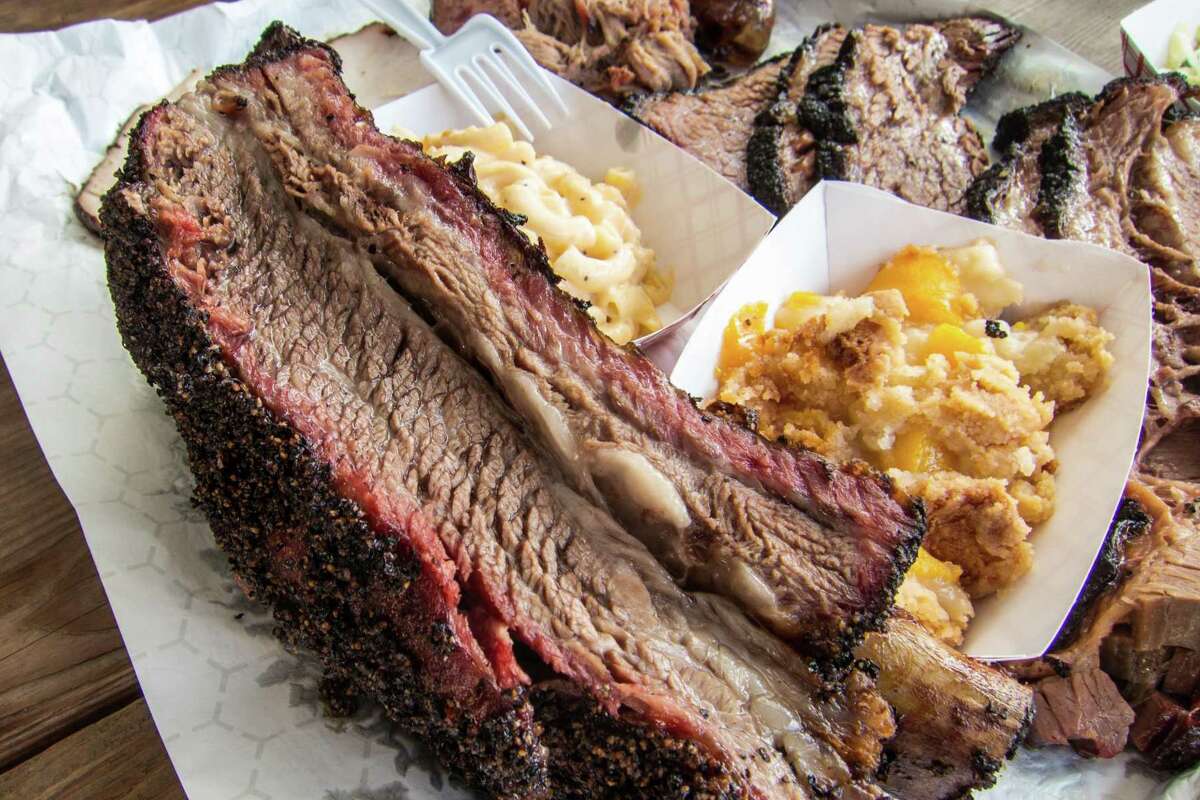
{"x":1009,"y":192}
{"x":1087,"y":164}
{"x":811,"y":550}
{"x":1138,"y":637}
{"x":372,"y":487}
{"x":714,"y":122}
{"x":779,"y":155}
{"x":886,"y":112}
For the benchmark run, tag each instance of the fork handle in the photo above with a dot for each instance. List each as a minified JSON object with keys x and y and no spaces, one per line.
{"x":405,"y":20}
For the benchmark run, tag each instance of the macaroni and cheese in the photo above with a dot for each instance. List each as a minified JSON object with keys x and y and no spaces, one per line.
{"x":590,"y":238}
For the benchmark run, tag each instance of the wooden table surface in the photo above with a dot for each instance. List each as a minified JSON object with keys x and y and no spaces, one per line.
{"x":72,"y":720}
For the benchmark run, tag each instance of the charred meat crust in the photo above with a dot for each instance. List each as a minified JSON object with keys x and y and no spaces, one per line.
{"x":1018,"y":134}
{"x":765,"y":171}
{"x":593,"y":754}
{"x":1063,"y":163}
{"x":1064,"y":158}
{"x":715,"y":120}
{"x":764,"y":174}
{"x":1108,"y":570}
{"x":1015,"y":127}
{"x":254,"y":476}
{"x":825,"y":113}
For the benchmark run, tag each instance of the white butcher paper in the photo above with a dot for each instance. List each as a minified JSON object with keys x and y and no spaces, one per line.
{"x":237,"y":713}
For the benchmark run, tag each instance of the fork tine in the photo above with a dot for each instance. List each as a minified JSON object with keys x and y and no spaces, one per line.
{"x":453,"y":83}
{"x":498,"y":99}
{"x":469,"y":97}
{"x":521,"y":59}
{"x":513,"y":85}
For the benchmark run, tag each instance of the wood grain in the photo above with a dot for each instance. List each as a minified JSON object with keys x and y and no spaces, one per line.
{"x":62,"y":663}
{"x":118,"y":757}
{"x":1091,"y":29}
{"x":70,"y":718}
{"x":40,"y":15}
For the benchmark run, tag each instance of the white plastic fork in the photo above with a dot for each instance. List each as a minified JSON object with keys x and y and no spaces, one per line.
{"x":482,"y":46}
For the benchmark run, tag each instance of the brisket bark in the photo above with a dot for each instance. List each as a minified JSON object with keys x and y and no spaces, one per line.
{"x":1010,"y":192}
{"x":779,"y":154}
{"x":1166,"y":222}
{"x":609,"y":47}
{"x":371,"y":486}
{"x":1139,"y":637}
{"x":887,"y":112}
{"x":714,"y":122}
{"x":1166,"y":199}
{"x":1120,"y":171}
{"x":1089,"y":162}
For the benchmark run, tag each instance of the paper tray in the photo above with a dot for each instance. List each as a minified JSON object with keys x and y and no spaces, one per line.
{"x":819,"y":247}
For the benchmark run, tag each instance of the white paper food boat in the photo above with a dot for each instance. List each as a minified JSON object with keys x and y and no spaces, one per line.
{"x":836,"y":239}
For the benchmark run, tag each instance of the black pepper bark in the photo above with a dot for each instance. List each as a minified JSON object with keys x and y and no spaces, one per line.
{"x":1108,"y":570}
{"x":1015,"y":127}
{"x":255,"y":476}
{"x":765,"y":173}
{"x":1063,"y":162}
{"x":825,"y":113}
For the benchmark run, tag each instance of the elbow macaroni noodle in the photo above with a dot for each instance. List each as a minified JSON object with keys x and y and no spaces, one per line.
{"x":591,"y":240}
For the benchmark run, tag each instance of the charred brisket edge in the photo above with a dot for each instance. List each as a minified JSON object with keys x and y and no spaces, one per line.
{"x":254,"y":474}
{"x":765,"y":175}
{"x":1130,"y":522}
{"x":985,"y":768}
{"x":1012,"y":135}
{"x":1015,"y":127}
{"x":286,"y":480}
{"x":823,"y":111}
{"x":1062,"y":162}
